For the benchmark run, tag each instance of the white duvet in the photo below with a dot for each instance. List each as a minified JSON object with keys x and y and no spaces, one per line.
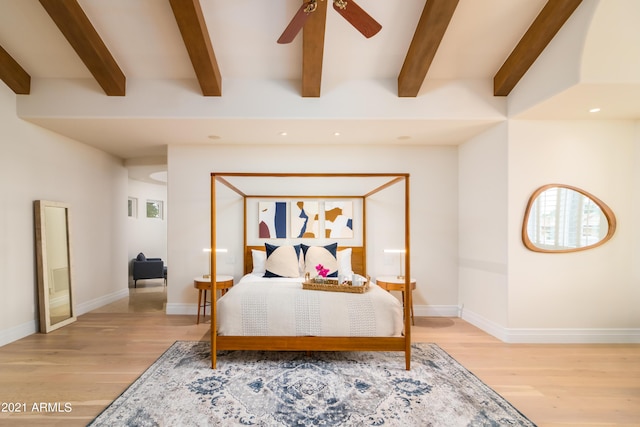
{"x":258,"y":306}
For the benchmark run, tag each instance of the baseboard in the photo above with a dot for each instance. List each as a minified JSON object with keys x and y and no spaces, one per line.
{"x":93,"y":304}
{"x":435,"y":310}
{"x":486,"y":325}
{"x":554,"y":335}
{"x":575,"y":336}
{"x":18,"y":332}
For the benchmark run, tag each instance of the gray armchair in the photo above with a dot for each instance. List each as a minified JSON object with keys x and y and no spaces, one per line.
{"x":148,"y":268}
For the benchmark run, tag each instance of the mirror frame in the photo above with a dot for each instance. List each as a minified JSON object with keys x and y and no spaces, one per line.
{"x":608,"y":213}
{"x":42,"y":266}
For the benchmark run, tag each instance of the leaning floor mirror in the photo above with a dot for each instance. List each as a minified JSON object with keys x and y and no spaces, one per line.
{"x":53,"y":261}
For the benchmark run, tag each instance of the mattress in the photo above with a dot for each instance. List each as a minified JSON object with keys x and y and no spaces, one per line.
{"x":258,"y":306}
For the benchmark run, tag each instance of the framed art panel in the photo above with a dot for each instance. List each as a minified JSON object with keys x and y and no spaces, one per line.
{"x":272,"y":220}
{"x":132,"y":208}
{"x":305,"y":219}
{"x":155,"y":209}
{"x":338,"y":222}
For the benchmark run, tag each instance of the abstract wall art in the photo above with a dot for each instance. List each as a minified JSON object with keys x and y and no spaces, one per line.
{"x":272,"y":220}
{"x":304,"y":220}
{"x":338,"y":221}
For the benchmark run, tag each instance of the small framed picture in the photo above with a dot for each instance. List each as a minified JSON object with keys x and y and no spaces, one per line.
{"x":155,"y":209}
{"x":132,"y":208}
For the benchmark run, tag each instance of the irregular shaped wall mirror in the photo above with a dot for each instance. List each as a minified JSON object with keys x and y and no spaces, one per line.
{"x":562,"y":218}
{"x":53,"y":260}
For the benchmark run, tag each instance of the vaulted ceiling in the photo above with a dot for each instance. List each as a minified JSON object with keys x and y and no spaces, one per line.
{"x":118,"y":44}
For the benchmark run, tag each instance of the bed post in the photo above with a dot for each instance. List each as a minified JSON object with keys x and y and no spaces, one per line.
{"x":214,"y":294}
{"x":364,"y":234}
{"x":407,"y":276}
{"x":244,"y":233}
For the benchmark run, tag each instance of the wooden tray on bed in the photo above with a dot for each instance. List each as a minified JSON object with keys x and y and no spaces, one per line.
{"x":332,"y":285}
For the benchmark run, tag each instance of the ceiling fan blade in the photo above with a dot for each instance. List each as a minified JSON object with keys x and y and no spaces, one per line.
{"x":357,"y":17}
{"x":297,"y":22}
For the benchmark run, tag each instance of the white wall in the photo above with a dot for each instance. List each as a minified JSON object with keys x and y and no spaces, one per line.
{"x":482,"y":221}
{"x":38,"y":164}
{"x":635,"y":225}
{"x":434,"y":208}
{"x":147,"y":235}
{"x":589,"y":295}
{"x":523,"y":296}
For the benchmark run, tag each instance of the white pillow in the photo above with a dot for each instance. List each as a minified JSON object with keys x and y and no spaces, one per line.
{"x":259,"y":260}
{"x":344,"y":262}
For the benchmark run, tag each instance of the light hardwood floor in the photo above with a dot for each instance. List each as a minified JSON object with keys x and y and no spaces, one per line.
{"x":89,"y":363}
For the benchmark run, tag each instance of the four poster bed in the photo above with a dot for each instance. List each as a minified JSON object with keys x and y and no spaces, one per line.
{"x":268,"y":309}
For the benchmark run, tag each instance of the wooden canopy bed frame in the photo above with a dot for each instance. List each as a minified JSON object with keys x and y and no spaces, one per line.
{"x":313,"y":343}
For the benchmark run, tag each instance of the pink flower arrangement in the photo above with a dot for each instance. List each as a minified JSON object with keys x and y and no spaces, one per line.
{"x":322,"y":272}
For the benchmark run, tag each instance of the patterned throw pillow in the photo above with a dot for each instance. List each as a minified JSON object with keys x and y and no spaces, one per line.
{"x":324,"y":255}
{"x":282,"y":261}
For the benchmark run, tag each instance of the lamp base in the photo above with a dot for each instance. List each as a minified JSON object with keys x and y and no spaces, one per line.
{"x":400,"y":277}
{"x":206,"y":276}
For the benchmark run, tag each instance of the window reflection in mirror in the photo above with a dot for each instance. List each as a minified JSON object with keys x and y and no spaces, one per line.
{"x":562,"y":218}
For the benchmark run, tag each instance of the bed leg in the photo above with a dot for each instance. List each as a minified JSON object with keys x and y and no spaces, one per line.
{"x":407,"y":360}
{"x":308,"y":353}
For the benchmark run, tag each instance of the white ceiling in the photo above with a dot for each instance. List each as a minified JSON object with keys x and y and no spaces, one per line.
{"x":260,"y":78}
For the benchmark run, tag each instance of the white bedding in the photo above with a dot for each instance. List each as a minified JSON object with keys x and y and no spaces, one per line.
{"x":258,"y":306}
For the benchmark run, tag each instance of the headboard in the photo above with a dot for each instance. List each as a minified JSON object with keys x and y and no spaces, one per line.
{"x":358,"y":258}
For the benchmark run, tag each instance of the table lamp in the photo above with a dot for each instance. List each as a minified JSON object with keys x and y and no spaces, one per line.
{"x":218,"y":250}
{"x":401,"y":257}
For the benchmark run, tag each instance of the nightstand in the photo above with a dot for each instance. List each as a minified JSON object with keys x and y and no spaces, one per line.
{"x":204,"y":284}
{"x":393,"y":283}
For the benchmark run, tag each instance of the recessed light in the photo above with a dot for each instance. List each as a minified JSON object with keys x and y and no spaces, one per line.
{"x":336,"y":134}
{"x":283,"y":134}
{"x":594,"y":110}
{"x":404,"y":137}
{"x":213,"y":137}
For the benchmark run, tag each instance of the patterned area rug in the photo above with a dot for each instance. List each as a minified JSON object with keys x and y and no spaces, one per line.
{"x":291,"y":389}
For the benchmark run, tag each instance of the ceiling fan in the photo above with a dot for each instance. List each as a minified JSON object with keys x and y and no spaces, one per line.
{"x":349,"y":10}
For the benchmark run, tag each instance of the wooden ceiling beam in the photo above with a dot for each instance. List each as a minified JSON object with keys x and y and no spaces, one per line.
{"x":548,"y":22}
{"x":13,"y":74}
{"x":85,"y":40}
{"x":188,"y":14}
{"x":431,"y":28}
{"x":313,"y":51}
